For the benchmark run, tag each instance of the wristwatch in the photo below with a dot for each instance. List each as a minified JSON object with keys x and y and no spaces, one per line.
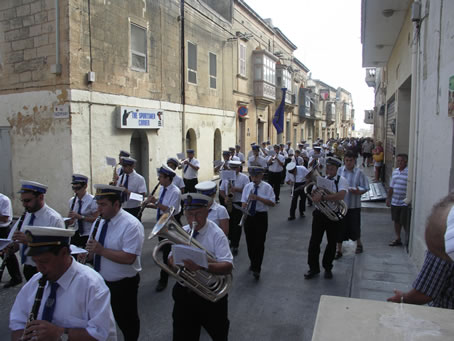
{"x":83,"y":217}
{"x":65,"y":335}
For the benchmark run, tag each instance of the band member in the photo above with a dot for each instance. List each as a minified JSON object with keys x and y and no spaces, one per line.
{"x":232,"y":154}
{"x":83,"y":210}
{"x":264,"y":151}
{"x":358,"y":184}
{"x":296,"y":177}
{"x":216,"y":212}
{"x":275,"y":168}
{"x":38,"y":214}
{"x":131,"y":181}
{"x":297,"y":158}
{"x":191,"y":311}
{"x":190,"y":170}
{"x":239,"y":154}
{"x":256,"y":160}
{"x":75,"y":301}
{"x":223,"y":166}
{"x":119,"y":170}
{"x":320,"y":223}
{"x":283,"y":152}
{"x":115,"y":251}
{"x":235,"y":188}
{"x":177,"y":181}
{"x":257,"y":197}
{"x":8,"y":254}
{"x":169,"y":196}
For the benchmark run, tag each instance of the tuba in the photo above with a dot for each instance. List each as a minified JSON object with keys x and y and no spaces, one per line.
{"x":333,"y":210}
{"x":207,"y":285}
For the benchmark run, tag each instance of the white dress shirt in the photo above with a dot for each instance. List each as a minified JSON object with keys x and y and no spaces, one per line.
{"x":240,"y":181}
{"x":264,"y":191}
{"x":45,"y":216}
{"x":172,"y":197}
{"x":178,"y":181}
{"x":136,"y":184}
{"x":89,"y":207}
{"x":301,"y":173}
{"x":124,"y":233}
{"x":217,"y":213}
{"x":191,"y":173}
{"x":6,"y":210}
{"x":240,"y":155}
{"x":82,"y":301}
{"x":275,"y":167}
{"x":259,"y":161}
{"x":214,"y":240}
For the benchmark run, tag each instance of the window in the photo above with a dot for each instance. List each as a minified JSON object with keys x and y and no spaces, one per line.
{"x":242,"y":60}
{"x":138,"y":48}
{"x":287,"y":80}
{"x":192,"y":63}
{"x":213,"y":70}
{"x":265,"y":69}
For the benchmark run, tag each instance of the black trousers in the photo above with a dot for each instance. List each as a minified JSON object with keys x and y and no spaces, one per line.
{"x":255,"y":230}
{"x":134,"y":211}
{"x":29,"y":271}
{"x":275,"y":182}
{"x":189,"y":185}
{"x":234,"y":228}
{"x":123,"y":298}
{"x":298,"y":195}
{"x":11,"y":262}
{"x":164,"y":276}
{"x":320,"y":224}
{"x":191,"y":312}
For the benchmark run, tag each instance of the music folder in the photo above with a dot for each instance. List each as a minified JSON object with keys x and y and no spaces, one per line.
{"x":182,"y":252}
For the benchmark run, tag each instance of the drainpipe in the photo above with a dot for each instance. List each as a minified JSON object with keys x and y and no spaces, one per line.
{"x":56,"y":68}
{"x":183,"y":79}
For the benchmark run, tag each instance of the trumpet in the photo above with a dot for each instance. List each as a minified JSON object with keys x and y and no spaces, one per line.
{"x":114,"y":175}
{"x":245,"y":212}
{"x":181,"y":164}
{"x":36,"y":303}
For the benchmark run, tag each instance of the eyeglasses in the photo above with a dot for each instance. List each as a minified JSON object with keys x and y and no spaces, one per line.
{"x":26,"y":200}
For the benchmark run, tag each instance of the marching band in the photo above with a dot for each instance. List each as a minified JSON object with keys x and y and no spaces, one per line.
{"x":110,"y":236}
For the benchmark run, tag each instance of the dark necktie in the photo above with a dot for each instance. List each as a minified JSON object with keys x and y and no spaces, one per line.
{"x":252,"y":210}
{"x":24,"y":248}
{"x":80,"y":222}
{"x":125,"y":185}
{"x":161,"y":198}
{"x":102,"y":237}
{"x":49,"y":307}
{"x":186,"y":167}
{"x":195,"y":234}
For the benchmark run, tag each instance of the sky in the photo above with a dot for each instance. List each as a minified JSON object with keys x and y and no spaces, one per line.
{"x":328,"y":36}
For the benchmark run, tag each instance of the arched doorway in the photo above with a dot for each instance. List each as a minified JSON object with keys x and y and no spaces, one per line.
{"x":217,"y":145}
{"x":191,"y":140}
{"x":139,"y":151}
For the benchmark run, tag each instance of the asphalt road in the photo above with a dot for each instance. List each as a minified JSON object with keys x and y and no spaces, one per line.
{"x":280,"y":306}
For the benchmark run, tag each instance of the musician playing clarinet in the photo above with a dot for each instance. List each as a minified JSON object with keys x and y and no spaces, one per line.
{"x":75,"y":302}
{"x":169,"y":196}
{"x":296,"y":177}
{"x":115,"y":249}
{"x":338,"y":187}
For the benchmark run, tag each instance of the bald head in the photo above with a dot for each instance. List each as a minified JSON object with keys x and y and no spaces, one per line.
{"x":436,"y":227}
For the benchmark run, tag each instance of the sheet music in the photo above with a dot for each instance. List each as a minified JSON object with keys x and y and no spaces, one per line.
{"x":271,"y":153}
{"x":4,"y":243}
{"x":136,"y":197}
{"x":228,"y":175}
{"x":183,"y":252}
{"x":111,"y":161}
{"x":76,"y":250}
{"x":324,"y":183}
{"x":180,"y":156}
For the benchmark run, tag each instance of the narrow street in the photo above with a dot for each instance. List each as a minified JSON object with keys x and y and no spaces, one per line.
{"x":282,"y":305}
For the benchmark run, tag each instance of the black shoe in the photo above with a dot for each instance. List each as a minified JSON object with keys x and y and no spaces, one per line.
{"x":328,"y":274}
{"x":12,"y":283}
{"x":311,"y":274}
{"x":256,"y":275}
{"x":291,"y":218}
{"x":338,"y":255}
{"x":161,"y":286}
{"x":277,"y":201}
{"x":302,"y":215}
{"x":309,"y":204}
{"x":234,"y":251}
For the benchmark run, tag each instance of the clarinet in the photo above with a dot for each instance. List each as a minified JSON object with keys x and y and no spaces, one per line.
{"x":10,"y":250}
{"x":144,"y":205}
{"x":92,"y":236}
{"x":37,"y":303}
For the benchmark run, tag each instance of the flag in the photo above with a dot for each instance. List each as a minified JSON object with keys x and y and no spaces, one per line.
{"x":278,"y":119}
